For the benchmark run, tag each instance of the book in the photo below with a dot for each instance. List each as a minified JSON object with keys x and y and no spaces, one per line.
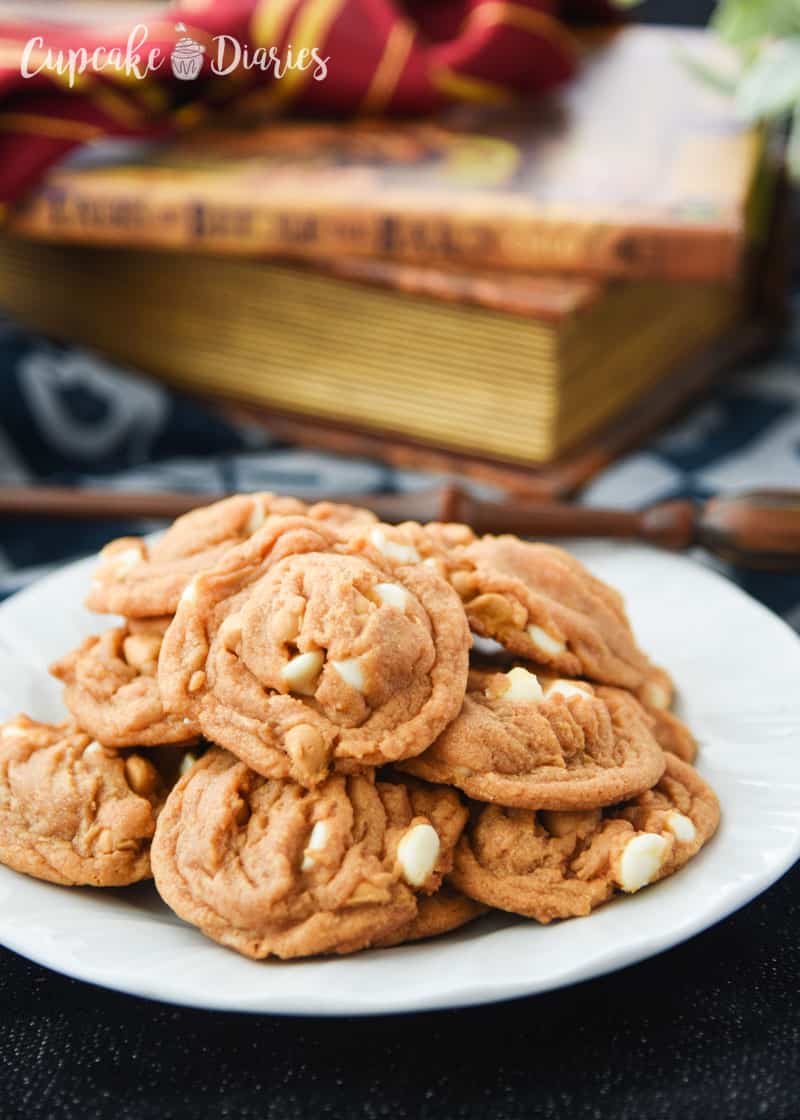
{"x":513,"y":368}
{"x":636,"y":169}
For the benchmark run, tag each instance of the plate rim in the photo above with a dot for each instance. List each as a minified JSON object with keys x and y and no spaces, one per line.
{"x":643,"y":945}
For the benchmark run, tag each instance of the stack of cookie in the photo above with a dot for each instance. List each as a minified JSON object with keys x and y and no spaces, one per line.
{"x":320,"y":733}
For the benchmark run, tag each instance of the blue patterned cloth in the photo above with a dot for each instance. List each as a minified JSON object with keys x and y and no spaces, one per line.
{"x":67,"y":417}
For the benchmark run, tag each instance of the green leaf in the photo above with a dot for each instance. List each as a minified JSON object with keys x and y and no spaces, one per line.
{"x":740,"y":21}
{"x":745,"y":22}
{"x":771,"y":85}
{"x":714,"y":76}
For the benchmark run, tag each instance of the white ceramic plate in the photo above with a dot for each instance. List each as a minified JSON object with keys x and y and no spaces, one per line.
{"x":737,"y":667}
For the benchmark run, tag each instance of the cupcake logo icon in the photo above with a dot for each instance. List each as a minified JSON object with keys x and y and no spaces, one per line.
{"x":187,"y":57}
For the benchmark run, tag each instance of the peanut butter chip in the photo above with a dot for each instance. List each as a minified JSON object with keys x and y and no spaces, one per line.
{"x":141,"y":775}
{"x":307,"y":751}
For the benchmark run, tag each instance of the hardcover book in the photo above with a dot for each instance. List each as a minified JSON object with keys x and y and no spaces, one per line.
{"x":636,"y":169}
{"x":516,"y":368}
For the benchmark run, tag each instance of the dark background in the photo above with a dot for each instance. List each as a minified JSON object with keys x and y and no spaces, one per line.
{"x":708,"y":1030}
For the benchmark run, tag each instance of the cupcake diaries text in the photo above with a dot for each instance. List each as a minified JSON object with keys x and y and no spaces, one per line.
{"x":138,"y":59}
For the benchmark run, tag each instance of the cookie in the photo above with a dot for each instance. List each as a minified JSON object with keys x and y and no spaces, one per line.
{"x":300,"y":650}
{"x":72,"y":812}
{"x":111,"y":688}
{"x":412,"y":543}
{"x":544,"y":743}
{"x":269,"y":868}
{"x":657,"y":691}
{"x":141,"y":581}
{"x":672,"y":734}
{"x":540,"y":603}
{"x":562,"y":865}
{"x":656,"y":695}
{"x":436,"y":915}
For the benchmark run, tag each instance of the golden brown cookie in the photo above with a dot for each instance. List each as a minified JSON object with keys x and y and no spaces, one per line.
{"x":111,"y":687}
{"x":672,"y":734}
{"x":413,"y":543}
{"x":657,"y":695}
{"x":139,"y":581}
{"x":544,"y":743}
{"x":271,"y":869}
{"x":542,"y":604}
{"x":657,"y":691}
{"x":300,"y":649}
{"x":71,"y":811}
{"x":436,"y":915}
{"x":562,"y":865}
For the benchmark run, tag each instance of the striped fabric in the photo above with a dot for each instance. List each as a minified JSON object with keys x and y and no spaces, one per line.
{"x":384,"y":57}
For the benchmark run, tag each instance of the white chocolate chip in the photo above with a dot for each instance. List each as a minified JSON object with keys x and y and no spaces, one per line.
{"x":316,"y":842}
{"x":187,"y":762}
{"x":403,"y":553}
{"x":13,"y":731}
{"x":566,"y":689}
{"x":417,"y":853}
{"x":655,"y":695}
{"x":487,"y":646}
{"x":258,"y":515}
{"x":189,"y":593}
{"x":544,"y":641}
{"x":94,"y":748}
{"x":681,"y":826}
{"x":301,"y":672}
{"x":641,"y":860}
{"x":351,"y":672}
{"x":391,"y":594}
{"x":125,"y":560}
{"x":522,"y":685}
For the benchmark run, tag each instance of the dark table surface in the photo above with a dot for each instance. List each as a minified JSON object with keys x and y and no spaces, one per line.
{"x":709,"y":1029}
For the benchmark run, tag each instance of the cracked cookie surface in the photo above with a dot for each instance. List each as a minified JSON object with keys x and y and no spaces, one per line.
{"x":111,"y":687}
{"x":297,"y":652}
{"x":141,"y":581}
{"x":543,"y":743}
{"x":269,"y":868}
{"x":549,"y":865}
{"x":541,"y":603}
{"x":72,"y":812}
{"x":437,"y":914}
